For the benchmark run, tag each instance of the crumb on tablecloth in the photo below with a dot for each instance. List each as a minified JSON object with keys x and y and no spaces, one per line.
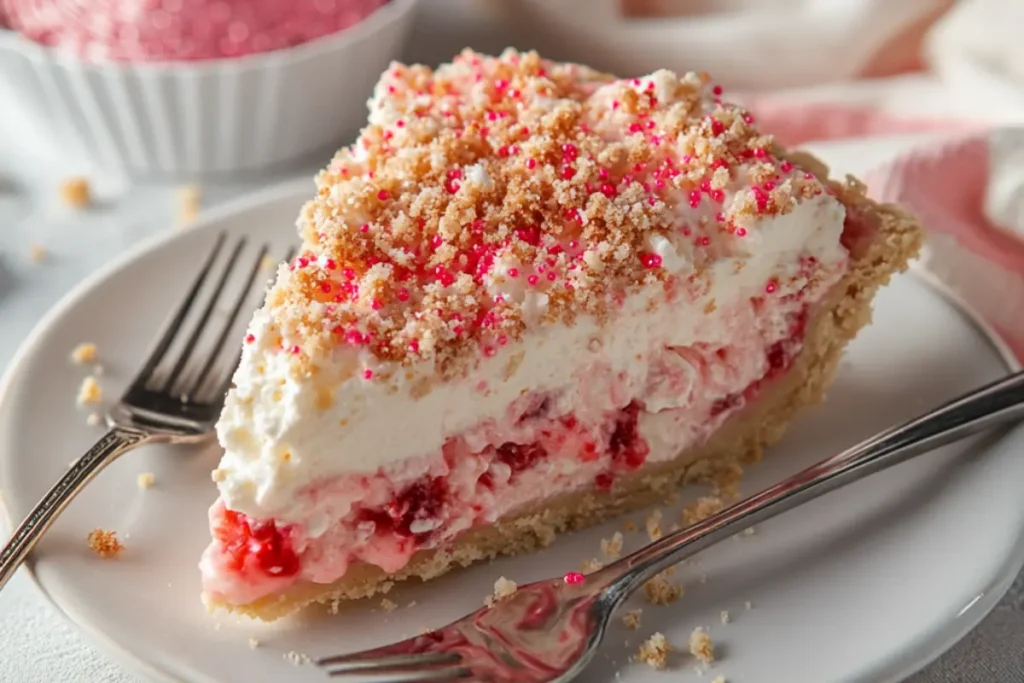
{"x":145,"y":480}
{"x":75,"y":192}
{"x":297,"y":658}
{"x":104,"y":543}
{"x":84,"y":353}
{"x":612,"y":547}
{"x":701,"y":646}
{"x":654,"y":651}
{"x":629,"y":525}
{"x":661,"y":590}
{"x":254,"y":643}
{"x":719,"y":679}
{"x":90,"y":391}
{"x":37,"y":253}
{"x":590,"y":566}
{"x":94,"y":419}
{"x":631,"y":619}
{"x":725,"y":616}
{"x":388,"y":605}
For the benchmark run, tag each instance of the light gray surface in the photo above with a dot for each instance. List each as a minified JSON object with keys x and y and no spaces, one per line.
{"x":36,"y":645}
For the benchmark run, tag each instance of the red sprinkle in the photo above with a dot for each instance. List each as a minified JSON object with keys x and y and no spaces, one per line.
{"x":367,"y":374}
{"x":250,"y":338}
{"x":574,"y":578}
{"x":383,"y":195}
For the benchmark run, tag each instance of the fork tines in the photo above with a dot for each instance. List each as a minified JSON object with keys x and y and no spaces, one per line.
{"x":197,"y":351}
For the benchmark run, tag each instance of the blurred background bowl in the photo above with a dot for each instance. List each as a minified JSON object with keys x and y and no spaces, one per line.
{"x":197,"y":120}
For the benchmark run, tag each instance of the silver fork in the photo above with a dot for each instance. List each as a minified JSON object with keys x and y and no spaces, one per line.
{"x":175,"y":397}
{"x":549,"y":630}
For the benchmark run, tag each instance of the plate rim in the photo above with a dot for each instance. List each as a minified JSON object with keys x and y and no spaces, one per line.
{"x":927,"y":648}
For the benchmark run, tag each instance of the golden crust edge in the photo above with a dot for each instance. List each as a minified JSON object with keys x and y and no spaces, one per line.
{"x":895,"y":240}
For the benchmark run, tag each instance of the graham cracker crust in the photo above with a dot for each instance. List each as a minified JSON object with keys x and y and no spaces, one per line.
{"x":894,"y":239}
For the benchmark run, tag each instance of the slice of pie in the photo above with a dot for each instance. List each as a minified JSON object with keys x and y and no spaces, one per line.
{"x":530,"y":296}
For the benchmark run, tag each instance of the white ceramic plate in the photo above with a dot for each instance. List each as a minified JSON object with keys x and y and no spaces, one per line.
{"x":869,"y":583}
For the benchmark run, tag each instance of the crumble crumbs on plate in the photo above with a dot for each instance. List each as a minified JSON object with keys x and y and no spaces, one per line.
{"x":253,"y":643}
{"x":75,"y":192}
{"x":297,"y":658}
{"x":84,"y":353}
{"x":590,"y":566}
{"x":719,"y":679}
{"x":145,"y":480}
{"x":189,"y":199}
{"x":629,"y":525}
{"x":661,"y":591}
{"x":104,"y":543}
{"x":653,"y":524}
{"x":654,"y":651}
{"x":612,"y":547}
{"x":94,"y":420}
{"x":388,"y":605}
{"x":726,"y":618}
{"x":701,"y":646}
{"x":90,"y":391}
{"x":37,"y":253}
{"x":503,"y":588}
{"x":701,"y":509}
{"x":631,"y":619}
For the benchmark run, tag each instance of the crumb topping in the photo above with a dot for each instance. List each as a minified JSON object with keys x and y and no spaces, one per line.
{"x":631,"y":619}
{"x":661,"y":590}
{"x":612,"y":547}
{"x":497,"y":193}
{"x":104,"y":543}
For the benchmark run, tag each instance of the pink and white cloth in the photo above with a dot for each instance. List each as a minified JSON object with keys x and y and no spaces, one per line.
{"x":966,"y":184}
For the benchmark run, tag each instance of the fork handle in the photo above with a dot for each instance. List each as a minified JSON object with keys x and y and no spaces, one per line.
{"x":116,"y":441}
{"x":997,"y":403}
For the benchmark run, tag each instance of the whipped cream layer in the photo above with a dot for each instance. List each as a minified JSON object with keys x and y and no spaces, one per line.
{"x":282,"y":433}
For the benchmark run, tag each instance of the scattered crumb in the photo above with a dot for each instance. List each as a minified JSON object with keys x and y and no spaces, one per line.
{"x":267,"y":263}
{"x":661,"y":591}
{"x":90,"y":391}
{"x":97,"y":370}
{"x":189,"y":199}
{"x":726,"y":618}
{"x":631,"y":619}
{"x":590,"y":566}
{"x":424,"y":631}
{"x":37,"y":253}
{"x":628,"y":525}
{"x":334,"y":606}
{"x":104,"y":543}
{"x":701,"y":646}
{"x":217,"y":626}
{"x":74,"y":192}
{"x":654,"y":651}
{"x":253,"y":643}
{"x":411,"y":604}
{"x":145,"y":480}
{"x":297,"y":658}
{"x":719,"y":679}
{"x":701,"y":509}
{"x":388,"y":605}
{"x":84,"y":353}
{"x":94,"y":419}
{"x":749,"y":531}
{"x":503,"y":588}
{"x":612,"y":547}
{"x":748,"y":605}
{"x":653,"y":524}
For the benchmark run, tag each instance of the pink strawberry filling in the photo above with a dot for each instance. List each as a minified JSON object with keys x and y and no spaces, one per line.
{"x":384,"y":517}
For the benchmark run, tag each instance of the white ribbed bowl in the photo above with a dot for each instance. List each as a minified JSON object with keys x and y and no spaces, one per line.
{"x":203,"y":119}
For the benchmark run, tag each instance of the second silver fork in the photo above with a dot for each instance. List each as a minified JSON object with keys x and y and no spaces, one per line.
{"x":176,"y":397}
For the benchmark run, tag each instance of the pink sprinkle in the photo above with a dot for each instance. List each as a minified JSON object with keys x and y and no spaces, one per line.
{"x":403,"y":294}
{"x":717,"y":90}
{"x":551,"y":277}
{"x":250,"y":338}
{"x":383,"y":195}
{"x":770,"y":288}
{"x":513,"y":272}
{"x":651,"y":261}
{"x":574,"y":578}
{"x":414,"y":345}
{"x":367,"y":374}
{"x":531,"y":164}
{"x":296,"y":350}
{"x":502,"y":340}
{"x":741,"y":232}
{"x":785,"y":167}
{"x":375,"y":304}
{"x":635,"y":127}
{"x":533,"y":280}
{"x":365,"y":227}
{"x":695,"y":197}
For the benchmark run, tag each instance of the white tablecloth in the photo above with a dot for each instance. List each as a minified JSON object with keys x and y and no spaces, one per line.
{"x":36,"y":645}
